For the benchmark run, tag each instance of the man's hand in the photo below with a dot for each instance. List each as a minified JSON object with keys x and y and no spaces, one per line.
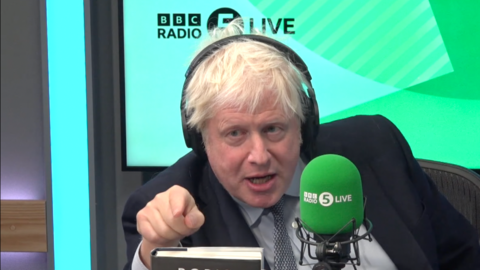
{"x":165,"y":220}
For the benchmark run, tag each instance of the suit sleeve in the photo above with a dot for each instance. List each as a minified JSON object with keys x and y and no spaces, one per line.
{"x":457,"y":242}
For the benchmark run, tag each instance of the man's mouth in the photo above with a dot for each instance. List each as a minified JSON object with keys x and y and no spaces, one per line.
{"x":260,"y":180}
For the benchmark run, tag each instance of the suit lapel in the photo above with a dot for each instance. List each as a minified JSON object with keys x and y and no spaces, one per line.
{"x":388,"y":229}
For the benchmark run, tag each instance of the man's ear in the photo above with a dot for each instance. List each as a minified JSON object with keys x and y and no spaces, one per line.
{"x":300,"y":137}
{"x":204,"y":134}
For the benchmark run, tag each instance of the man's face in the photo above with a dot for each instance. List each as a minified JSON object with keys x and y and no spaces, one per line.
{"x":254,"y":156}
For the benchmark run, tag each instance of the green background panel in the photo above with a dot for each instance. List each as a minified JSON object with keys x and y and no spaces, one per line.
{"x":436,"y":128}
{"x":391,"y":32}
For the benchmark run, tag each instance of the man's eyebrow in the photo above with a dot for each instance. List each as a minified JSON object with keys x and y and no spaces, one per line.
{"x":226,"y":122}
{"x":277,"y":119}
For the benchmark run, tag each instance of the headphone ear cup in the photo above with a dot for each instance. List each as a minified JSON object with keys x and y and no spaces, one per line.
{"x":186,"y":131}
{"x":306,"y":136}
{"x":310,"y":126}
{"x":197,"y":144}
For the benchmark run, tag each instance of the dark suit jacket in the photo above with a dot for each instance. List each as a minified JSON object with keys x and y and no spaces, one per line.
{"x":412,"y":221}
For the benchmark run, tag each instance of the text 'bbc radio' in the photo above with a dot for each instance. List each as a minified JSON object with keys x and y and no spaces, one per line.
{"x":179,"y":25}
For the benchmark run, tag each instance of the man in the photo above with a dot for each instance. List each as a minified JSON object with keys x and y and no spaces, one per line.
{"x":244,"y":100}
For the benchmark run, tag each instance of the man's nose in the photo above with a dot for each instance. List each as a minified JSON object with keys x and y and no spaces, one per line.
{"x":259,"y":151}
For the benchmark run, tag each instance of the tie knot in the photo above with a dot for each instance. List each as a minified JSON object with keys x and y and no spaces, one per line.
{"x":277,"y":209}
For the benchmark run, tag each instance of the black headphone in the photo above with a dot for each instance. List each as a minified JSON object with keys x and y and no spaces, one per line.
{"x":310,"y":126}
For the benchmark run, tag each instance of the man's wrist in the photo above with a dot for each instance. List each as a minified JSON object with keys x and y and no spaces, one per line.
{"x":145,"y":249}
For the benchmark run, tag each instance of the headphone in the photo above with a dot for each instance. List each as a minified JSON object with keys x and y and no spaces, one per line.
{"x":309,"y":128}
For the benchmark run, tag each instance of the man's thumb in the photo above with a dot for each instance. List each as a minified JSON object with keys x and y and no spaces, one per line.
{"x":194,"y":219}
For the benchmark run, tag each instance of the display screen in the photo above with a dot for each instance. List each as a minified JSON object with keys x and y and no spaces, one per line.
{"x":417,"y":62}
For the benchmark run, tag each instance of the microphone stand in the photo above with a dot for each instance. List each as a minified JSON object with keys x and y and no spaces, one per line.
{"x":333,"y":252}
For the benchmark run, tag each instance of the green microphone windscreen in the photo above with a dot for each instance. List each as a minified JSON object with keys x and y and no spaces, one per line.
{"x":331,"y":195}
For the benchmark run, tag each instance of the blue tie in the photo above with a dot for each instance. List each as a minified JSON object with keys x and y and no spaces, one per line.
{"x":283,"y":253}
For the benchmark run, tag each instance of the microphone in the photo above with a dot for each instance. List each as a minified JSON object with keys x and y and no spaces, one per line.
{"x":332,"y":209}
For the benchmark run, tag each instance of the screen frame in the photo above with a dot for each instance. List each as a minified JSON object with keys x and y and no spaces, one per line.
{"x":123,"y":119}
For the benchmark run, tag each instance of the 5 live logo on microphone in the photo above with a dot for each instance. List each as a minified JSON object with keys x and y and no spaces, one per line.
{"x":188,"y":25}
{"x":326,"y":198}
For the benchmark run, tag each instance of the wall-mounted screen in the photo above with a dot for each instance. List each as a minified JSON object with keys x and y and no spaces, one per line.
{"x":417,"y":62}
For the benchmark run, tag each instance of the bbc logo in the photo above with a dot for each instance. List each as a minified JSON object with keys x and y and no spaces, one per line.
{"x":178,"y":19}
{"x":310,"y":195}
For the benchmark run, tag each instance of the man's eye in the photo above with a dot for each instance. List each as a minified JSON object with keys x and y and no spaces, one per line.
{"x":234,"y":133}
{"x":272,"y":129}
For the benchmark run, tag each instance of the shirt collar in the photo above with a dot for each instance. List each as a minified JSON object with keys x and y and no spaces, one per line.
{"x":254,"y":213}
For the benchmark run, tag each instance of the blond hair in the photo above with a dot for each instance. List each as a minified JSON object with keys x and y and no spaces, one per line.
{"x":239,"y":75}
